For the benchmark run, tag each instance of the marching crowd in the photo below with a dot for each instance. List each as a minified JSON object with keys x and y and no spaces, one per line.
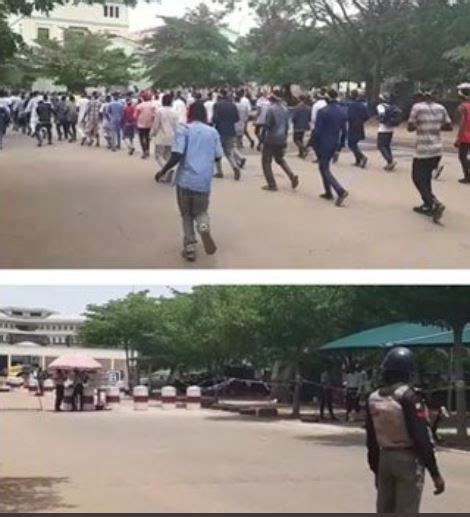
{"x":193,"y":130}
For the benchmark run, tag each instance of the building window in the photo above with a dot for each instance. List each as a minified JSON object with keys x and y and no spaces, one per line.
{"x":105,"y":11}
{"x":43,"y":35}
{"x":111,"y":11}
{"x":116,"y":12}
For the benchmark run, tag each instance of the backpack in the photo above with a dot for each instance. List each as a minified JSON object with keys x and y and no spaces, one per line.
{"x":393,"y":116}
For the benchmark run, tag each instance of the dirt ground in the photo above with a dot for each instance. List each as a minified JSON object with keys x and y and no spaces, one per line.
{"x":189,"y":461}
{"x":70,"y":207}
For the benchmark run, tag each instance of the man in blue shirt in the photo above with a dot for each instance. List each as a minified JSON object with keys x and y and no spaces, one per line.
{"x":114,"y":113}
{"x":330,"y":122}
{"x":196,"y":148}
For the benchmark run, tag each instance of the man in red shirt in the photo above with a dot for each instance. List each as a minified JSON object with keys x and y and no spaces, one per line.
{"x":463,"y":139}
{"x":128,"y":124}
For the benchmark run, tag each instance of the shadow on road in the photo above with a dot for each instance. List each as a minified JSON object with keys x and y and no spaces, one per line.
{"x":336,"y":440}
{"x":28,"y":495}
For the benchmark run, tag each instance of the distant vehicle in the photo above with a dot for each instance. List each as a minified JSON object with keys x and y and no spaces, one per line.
{"x":19,"y":370}
{"x":239,"y":389}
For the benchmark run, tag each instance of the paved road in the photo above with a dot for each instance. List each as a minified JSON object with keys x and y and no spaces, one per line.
{"x":73,"y":207}
{"x":181,"y":461}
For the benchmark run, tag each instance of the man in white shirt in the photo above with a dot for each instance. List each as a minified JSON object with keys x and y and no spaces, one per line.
{"x":164,"y":130}
{"x":385,"y":131}
{"x":82,"y":109}
{"x":262,"y":105}
{"x":179,"y":106}
{"x":31,"y":110}
{"x":209,"y":105}
{"x":320,"y":102}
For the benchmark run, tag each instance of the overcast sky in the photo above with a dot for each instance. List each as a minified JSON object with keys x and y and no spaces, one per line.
{"x":69,"y":300}
{"x":145,"y":14}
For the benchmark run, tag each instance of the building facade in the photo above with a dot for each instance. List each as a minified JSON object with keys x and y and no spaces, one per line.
{"x":35,"y":336}
{"x":108,"y":18}
{"x":41,"y":326}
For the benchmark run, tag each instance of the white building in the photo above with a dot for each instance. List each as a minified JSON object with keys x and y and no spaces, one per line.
{"x":33,"y":336}
{"x":41,"y":326}
{"x":110,"y":17}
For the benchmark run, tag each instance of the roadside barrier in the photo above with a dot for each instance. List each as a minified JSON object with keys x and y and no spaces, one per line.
{"x":193,"y":397}
{"x":169,"y":397}
{"x":141,"y":398}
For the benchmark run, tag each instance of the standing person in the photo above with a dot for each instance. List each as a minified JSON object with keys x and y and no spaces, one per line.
{"x":428,"y":119}
{"x":128,"y":125}
{"x":82,"y":107}
{"x":241,"y":125}
{"x":463,"y":139}
{"x":399,"y":441}
{"x":209,"y":105}
{"x":195,"y":149}
{"x":59,"y":390}
{"x":262,"y":106}
{"x":72,"y":117}
{"x":181,"y":109}
{"x":275,"y":143}
{"x":115,"y":113}
{"x":45,"y":115}
{"x":330,"y":122}
{"x":301,"y":119}
{"x":319,"y":103}
{"x":224,"y":120}
{"x":389,"y":118}
{"x":92,"y":120}
{"x":62,"y":121}
{"x":107,"y":130}
{"x":145,"y":115}
{"x":353,"y":382}
{"x":4,"y":116}
{"x":246,"y":103}
{"x":31,"y":110}
{"x":357,"y":117}
{"x":164,"y":131}
{"x":326,"y":395}
{"x":77,"y":396}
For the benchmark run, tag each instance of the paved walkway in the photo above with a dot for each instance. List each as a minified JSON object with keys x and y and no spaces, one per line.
{"x":184,"y":461}
{"x":73,"y":207}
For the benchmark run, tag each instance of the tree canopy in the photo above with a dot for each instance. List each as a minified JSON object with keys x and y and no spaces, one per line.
{"x":83,"y":60}
{"x":190,"y":51}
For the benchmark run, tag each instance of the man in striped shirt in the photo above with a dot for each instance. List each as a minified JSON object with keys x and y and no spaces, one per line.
{"x":428,"y":119}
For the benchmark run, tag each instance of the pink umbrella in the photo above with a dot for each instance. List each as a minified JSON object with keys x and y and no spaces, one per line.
{"x":80,"y":362}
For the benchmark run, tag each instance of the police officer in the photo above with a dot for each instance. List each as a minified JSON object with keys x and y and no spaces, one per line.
{"x":400,"y":447}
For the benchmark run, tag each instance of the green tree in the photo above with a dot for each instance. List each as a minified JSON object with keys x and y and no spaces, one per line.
{"x":190,"y":51}
{"x":83,"y":60}
{"x":128,"y":324}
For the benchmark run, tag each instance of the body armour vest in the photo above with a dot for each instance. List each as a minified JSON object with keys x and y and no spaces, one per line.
{"x":388,"y":418}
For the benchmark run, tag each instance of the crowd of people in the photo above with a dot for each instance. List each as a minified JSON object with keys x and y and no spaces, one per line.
{"x":192,"y":131}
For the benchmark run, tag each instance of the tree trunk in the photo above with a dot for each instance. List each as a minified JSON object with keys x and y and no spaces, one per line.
{"x":297,"y":393}
{"x":460,"y":389}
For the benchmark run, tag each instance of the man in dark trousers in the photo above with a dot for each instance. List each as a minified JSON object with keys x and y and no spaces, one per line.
{"x":77,"y":397}
{"x":45,"y":113}
{"x":331,"y":121}
{"x":357,"y":117}
{"x":275,"y":143}
{"x":428,"y":119}
{"x":224,"y":119}
{"x":59,"y":390}
{"x":301,"y":122}
{"x":326,"y":395}
{"x":400,"y":447}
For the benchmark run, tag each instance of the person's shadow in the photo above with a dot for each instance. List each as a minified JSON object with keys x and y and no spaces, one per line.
{"x":31,"y":494}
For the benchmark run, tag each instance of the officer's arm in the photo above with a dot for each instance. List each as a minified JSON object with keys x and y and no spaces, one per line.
{"x":417,"y":424}
{"x":373,"y":449}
